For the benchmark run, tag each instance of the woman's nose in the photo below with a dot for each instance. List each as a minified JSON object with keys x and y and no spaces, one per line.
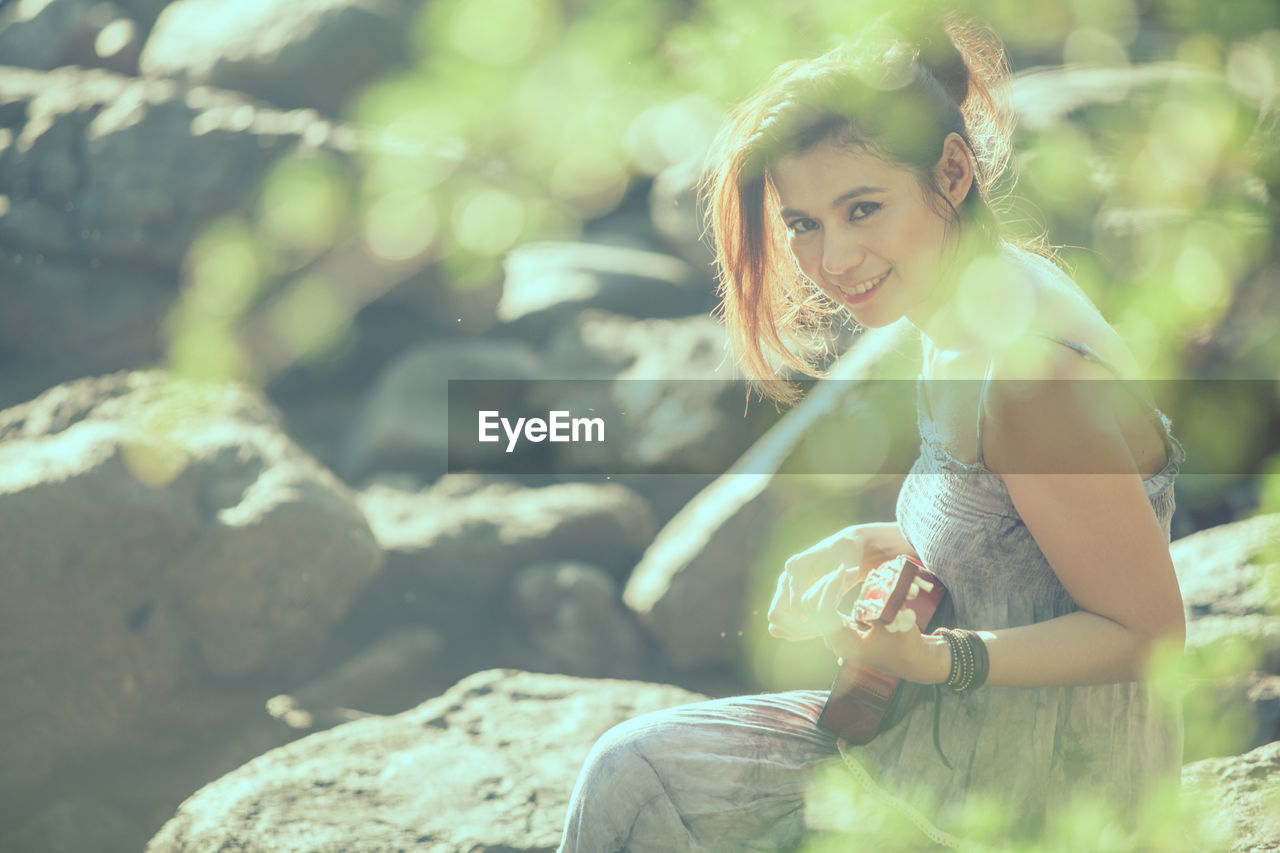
{"x":841,"y":254}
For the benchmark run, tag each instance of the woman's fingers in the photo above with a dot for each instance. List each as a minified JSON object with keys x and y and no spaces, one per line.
{"x":783,"y":620}
{"x":801,"y":610}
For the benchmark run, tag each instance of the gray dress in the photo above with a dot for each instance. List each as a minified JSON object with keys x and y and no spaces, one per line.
{"x":732,"y":774}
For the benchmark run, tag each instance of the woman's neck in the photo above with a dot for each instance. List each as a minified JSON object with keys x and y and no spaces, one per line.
{"x":981,"y":301}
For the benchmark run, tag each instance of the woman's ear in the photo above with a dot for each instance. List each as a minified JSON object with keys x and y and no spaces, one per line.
{"x":954,"y":169}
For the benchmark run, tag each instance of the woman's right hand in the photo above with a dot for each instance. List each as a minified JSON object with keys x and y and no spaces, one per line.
{"x":814,"y":581}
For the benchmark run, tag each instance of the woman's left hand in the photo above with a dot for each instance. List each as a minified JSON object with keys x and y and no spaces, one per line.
{"x":907,"y":654}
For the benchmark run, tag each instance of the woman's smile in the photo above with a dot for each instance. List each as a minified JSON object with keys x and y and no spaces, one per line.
{"x":855,"y":294}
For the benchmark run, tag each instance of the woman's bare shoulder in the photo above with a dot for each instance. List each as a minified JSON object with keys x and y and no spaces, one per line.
{"x":1064,"y":319}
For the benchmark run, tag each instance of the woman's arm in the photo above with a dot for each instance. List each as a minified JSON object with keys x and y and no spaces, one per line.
{"x":1073,"y":481}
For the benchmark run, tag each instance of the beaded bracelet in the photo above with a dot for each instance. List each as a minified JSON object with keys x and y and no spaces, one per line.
{"x":970,"y":663}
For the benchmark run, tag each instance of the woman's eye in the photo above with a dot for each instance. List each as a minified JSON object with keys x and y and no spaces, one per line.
{"x":863,"y":209}
{"x":799,"y":226}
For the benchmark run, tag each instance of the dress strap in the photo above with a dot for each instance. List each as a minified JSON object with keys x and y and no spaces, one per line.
{"x":1090,"y":353}
{"x":982,"y":401}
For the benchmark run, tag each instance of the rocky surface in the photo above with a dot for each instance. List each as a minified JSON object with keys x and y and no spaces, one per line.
{"x":98,"y":165}
{"x":69,"y":32}
{"x":1227,"y":575}
{"x":547,"y":284}
{"x":403,"y":424}
{"x":161,"y":536}
{"x":667,"y":390}
{"x":568,"y":617}
{"x":487,"y":766}
{"x":107,"y":181}
{"x":282,"y":51}
{"x":1243,"y":794}
{"x":454,"y":550}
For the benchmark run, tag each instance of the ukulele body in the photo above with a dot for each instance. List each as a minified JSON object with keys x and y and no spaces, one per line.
{"x":861,"y":695}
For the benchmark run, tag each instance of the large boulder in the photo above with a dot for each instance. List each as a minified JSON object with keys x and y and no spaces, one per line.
{"x":454,"y":548}
{"x":69,"y":32}
{"x":1225,"y":574}
{"x":568,"y":617}
{"x":487,"y":766}
{"x":292,"y":53}
{"x":403,"y":425}
{"x":107,"y":181}
{"x":665,"y":388}
{"x":1242,"y":792}
{"x":160,"y":536}
{"x":115,"y":169}
{"x":548,"y":283}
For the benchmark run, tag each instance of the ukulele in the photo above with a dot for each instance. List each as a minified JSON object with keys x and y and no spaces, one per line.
{"x":895,"y":594}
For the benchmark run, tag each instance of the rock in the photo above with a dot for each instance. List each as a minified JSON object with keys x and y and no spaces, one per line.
{"x":373,"y":681}
{"x":282,"y":51}
{"x":674,"y":210}
{"x":546,"y":284}
{"x":404,"y":422}
{"x":144,"y":12}
{"x":160,"y":535}
{"x":664,"y":387}
{"x":66,"y":319}
{"x":98,"y":166}
{"x":1243,"y":793}
{"x":107,"y":181}
{"x":1043,"y":97}
{"x":88,"y":33}
{"x":65,"y":826}
{"x":568,"y":618}
{"x":1225,"y":573}
{"x":691,"y":589}
{"x":487,"y":766}
{"x":459,"y":543}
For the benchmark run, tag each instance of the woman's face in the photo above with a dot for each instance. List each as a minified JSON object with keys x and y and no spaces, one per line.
{"x":864,"y":231}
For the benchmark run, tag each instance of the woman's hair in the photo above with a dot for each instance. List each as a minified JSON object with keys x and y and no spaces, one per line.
{"x":896,"y":94}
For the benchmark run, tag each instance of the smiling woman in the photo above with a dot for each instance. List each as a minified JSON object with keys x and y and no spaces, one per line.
{"x":857,"y":185}
{"x":876,"y":247}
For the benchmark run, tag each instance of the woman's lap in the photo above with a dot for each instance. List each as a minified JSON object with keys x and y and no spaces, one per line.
{"x":724,"y":775}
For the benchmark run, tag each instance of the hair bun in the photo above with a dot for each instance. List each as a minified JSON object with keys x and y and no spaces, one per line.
{"x":968,"y":61}
{"x":939,"y":55}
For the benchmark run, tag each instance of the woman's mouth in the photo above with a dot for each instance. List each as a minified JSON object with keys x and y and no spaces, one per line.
{"x":862,"y":292}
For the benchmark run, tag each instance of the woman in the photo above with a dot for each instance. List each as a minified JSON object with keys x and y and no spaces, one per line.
{"x":858,"y":183}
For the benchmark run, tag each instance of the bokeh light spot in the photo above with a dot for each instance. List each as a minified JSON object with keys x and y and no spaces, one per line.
{"x":1200,"y":280}
{"x":1250,"y":72}
{"x":303,"y":204}
{"x":1088,"y":46}
{"x":496,"y":31}
{"x":225,"y":271}
{"x":310,"y":317}
{"x":114,"y":37}
{"x":202,"y":349}
{"x":592,"y":180}
{"x":401,"y":225}
{"x":996,"y":303}
{"x":488,"y":222}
